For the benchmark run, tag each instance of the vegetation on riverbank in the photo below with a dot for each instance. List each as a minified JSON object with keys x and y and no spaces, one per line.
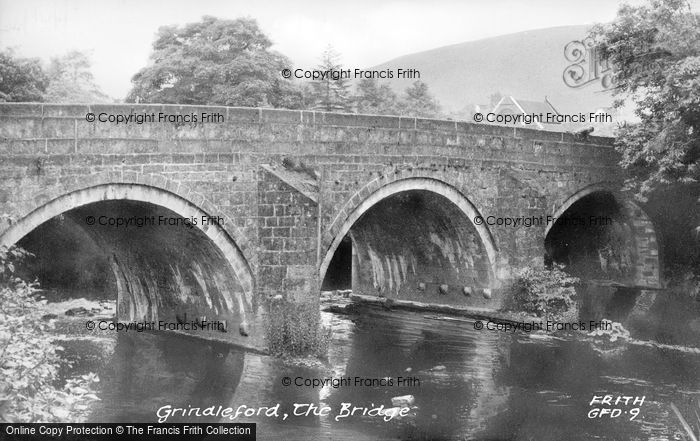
{"x":294,"y":330}
{"x":30,"y":387}
{"x":545,"y":293}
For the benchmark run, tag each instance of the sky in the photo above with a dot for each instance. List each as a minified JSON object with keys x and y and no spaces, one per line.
{"x":117,"y":34}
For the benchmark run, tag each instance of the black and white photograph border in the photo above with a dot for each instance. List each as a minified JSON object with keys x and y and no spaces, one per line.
{"x":385,"y":220}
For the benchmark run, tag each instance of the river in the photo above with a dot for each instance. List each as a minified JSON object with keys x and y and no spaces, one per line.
{"x":465,"y":383}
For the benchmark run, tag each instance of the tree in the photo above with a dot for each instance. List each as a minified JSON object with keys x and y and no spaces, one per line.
{"x":655,"y":53}
{"x":495,"y":98}
{"x":288,"y":96}
{"x":418,"y":101}
{"x":331,"y":93}
{"x":21,"y":79}
{"x":70,"y":81}
{"x":215,"y":61}
{"x":375,"y":98}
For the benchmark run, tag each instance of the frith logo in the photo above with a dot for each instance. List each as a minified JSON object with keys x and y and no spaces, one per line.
{"x":588,"y":65}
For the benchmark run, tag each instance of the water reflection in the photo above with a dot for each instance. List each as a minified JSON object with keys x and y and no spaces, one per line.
{"x":487,"y":385}
{"x":147,"y":371}
{"x":471,"y":384}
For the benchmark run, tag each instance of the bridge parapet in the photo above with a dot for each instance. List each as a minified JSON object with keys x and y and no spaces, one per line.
{"x":36,"y":128}
{"x":289,"y":184}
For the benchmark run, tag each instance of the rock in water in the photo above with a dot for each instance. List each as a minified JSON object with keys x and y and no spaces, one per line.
{"x":403,"y":401}
{"x":79,"y":311}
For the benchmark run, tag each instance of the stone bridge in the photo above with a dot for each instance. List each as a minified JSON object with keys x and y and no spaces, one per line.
{"x":211,"y":218}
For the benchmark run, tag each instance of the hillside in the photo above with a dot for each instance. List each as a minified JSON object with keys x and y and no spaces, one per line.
{"x":528,"y":65}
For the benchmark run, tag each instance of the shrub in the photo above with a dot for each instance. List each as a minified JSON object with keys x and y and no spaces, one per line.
{"x":294,"y":330}
{"x":29,"y":361}
{"x":546,"y":293}
{"x":684,"y":279}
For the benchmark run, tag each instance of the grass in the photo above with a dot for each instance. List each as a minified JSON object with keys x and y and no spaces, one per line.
{"x":294,"y":330}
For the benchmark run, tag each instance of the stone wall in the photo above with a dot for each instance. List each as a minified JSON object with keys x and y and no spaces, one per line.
{"x":287,"y":228}
{"x":283,"y":233}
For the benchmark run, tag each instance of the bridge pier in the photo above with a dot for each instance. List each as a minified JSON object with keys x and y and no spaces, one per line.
{"x":287,"y":231}
{"x":290,"y":186}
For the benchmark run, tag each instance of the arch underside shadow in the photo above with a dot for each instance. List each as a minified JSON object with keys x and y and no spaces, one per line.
{"x":642,"y":250}
{"x":402,"y":222}
{"x":213,"y":234}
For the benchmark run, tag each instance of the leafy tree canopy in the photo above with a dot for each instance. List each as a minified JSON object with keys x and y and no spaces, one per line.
{"x":655,"y":51}
{"x":71,"y":81}
{"x":215,"y":61}
{"x":418,"y":101}
{"x":372,"y":97}
{"x":21,"y":79}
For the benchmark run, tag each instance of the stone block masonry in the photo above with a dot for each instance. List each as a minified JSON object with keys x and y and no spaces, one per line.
{"x":279,"y":236}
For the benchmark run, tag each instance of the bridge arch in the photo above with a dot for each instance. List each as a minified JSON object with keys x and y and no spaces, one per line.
{"x":637,"y":229}
{"x":222,"y":295}
{"x":433,"y":193}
